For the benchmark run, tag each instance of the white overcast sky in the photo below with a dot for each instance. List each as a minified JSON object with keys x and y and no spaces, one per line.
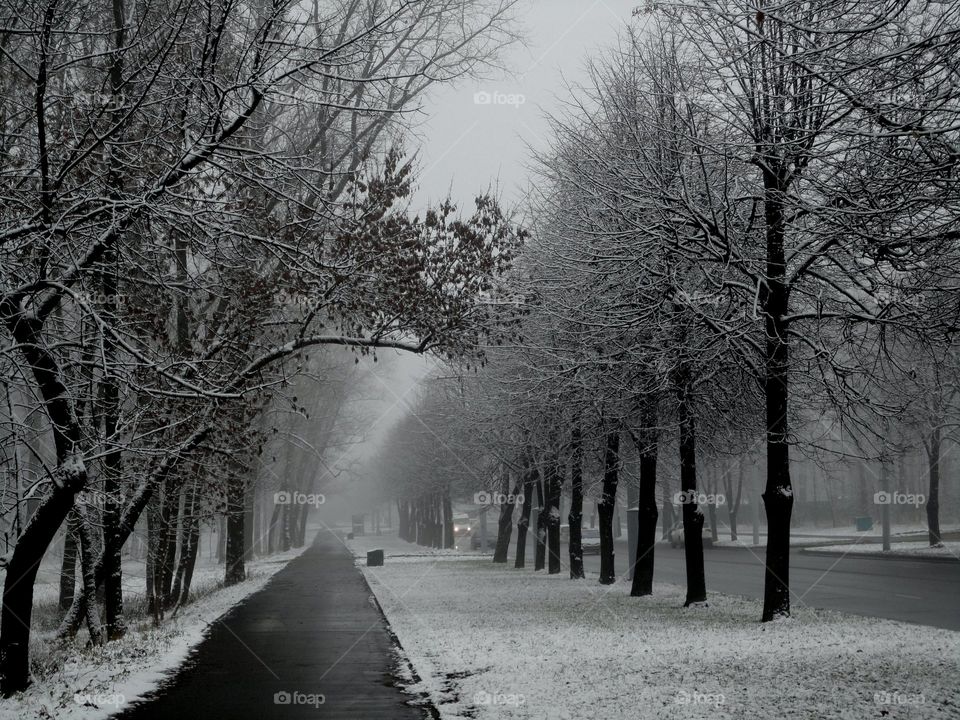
{"x":466,"y":147}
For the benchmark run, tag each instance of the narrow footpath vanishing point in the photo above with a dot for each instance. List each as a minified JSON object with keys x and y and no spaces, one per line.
{"x":311,"y":631}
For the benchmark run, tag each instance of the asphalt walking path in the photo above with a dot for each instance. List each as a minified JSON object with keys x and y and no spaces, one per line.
{"x":310,"y":644}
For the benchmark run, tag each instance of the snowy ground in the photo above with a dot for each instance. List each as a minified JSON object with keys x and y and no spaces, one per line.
{"x":813,"y":536}
{"x":488,"y":641}
{"x":74,"y":680}
{"x":922,"y":549}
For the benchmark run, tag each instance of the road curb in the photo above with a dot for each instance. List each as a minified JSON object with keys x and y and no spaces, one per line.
{"x":880,"y":555}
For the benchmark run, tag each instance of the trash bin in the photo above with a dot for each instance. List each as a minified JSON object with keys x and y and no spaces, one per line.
{"x":374,"y":558}
{"x":864,"y":523}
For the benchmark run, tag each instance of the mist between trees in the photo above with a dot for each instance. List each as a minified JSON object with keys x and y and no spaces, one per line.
{"x":205,"y":222}
{"x":742,"y":271}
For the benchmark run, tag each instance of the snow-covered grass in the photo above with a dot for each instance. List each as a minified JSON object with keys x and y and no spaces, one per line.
{"x":875,"y":531}
{"x":921,"y":549}
{"x":73,"y":680}
{"x":746,"y":541}
{"x":809,"y":536}
{"x":488,"y":641}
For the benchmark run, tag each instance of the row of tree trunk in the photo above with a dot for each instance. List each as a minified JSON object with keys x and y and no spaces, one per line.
{"x":427,"y":520}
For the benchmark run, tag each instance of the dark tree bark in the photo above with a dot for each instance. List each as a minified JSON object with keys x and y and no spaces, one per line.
{"x":448,"y":539}
{"x":575,"y":517}
{"x":68,"y":567}
{"x":529,"y":478}
{"x":403,"y":517}
{"x":273,"y":532}
{"x":166,"y":551}
{"x":235,"y":569}
{"x":554,"y":485}
{"x":540,"y":549}
{"x":85,"y":533}
{"x":188,"y":524}
{"x":112,"y":472}
{"x":778,"y":492}
{"x":113,"y":459}
{"x":692,"y":515}
{"x":249,"y":523}
{"x":605,"y":508}
{"x":646,"y":443}
{"x":933,"y":490}
{"x":188,"y":562}
{"x":733,"y":497}
{"x":505,"y":521}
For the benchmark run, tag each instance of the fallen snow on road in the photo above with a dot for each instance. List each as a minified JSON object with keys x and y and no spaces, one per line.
{"x":950,"y":550}
{"x":74,"y":681}
{"x":488,"y":641}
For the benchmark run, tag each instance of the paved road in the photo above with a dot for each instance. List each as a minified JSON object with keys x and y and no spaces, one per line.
{"x":911,"y":591}
{"x":311,"y":631}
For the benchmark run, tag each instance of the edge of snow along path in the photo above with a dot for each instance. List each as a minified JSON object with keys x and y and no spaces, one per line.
{"x":97,"y":682}
{"x":489,"y":641}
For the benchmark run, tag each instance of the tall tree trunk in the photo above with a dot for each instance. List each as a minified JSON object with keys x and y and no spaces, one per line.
{"x":505,"y":521}
{"x":605,"y":508}
{"x":249,"y":523}
{"x":188,"y":521}
{"x":273,"y":532}
{"x":646,"y":443}
{"x":68,"y":566}
{"x":113,"y":459}
{"x":403,"y":530}
{"x":933,"y":496}
{"x":235,"y":569}
{"x":153,"y":550}
{"x":575,"y":517}
{"x":554,"y":484}
{"x":692,"y":515}
{"x":85,"y":532}
{"x":523,"y":524}
{"x":778,"y":493}
{"x":167,"y":550}
{"x":449,"y":540}
{"x":540,"y":549}
{"x":733,"y":499}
